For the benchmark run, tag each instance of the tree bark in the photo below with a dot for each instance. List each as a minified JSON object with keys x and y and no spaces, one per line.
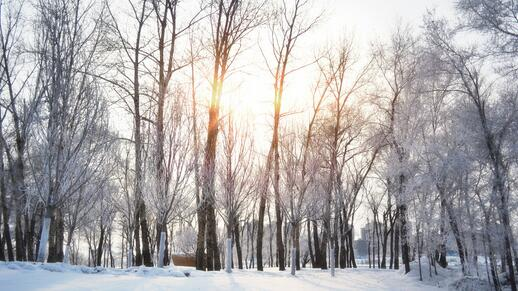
{"x":146,"y":253}
{"x":396,"y":244}
{"x":238,"y":247}
{"x":5,"y":210}
{"x":99,"y":252}
{"x":405,"y":246}
{"x":260,"y":232}
{"x":310,"y":247}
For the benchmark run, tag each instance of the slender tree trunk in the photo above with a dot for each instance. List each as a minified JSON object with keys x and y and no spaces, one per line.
{"x":260,"y":232}
{"x":457,"y":234}
{"x":270,"y":228}
{"x":310,"y":247}
{"x":278,"y":213}
{"x":18,"y":235}
{"x":442,"y":246}
{"x":384,"y":246}
{"x":136,"y":233}
{"x":297,"y":246}
{"x":2,"y":245}
{"x":351,"y":249}
{"x":405,"y":246}
{"x":396,"y":244}
{"x":30,"y":236}
{"x":5,"y":210}
{"x":238,"y":247}
{"x":318,"y":253}
{"x":146,"y":253}
{"x":342,"y":243}
{"x":99,"y":252}
{"x":392,"y":248}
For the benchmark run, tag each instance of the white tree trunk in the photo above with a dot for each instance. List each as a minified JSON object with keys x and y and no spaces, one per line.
{"x":332,"y":261}
{"x":293,"y":258}
{"x":44,"y":239}
{"x":161,"y":251}
{"x":67,"y":254}
{"x":129,"y":261}
{"x":228,"y":256}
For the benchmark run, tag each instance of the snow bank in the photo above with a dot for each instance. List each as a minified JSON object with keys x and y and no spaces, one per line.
{"x":450,"y":277}
{"x":470,"y":284}
{"x":29,"y":276}
{"x":64,"y":268}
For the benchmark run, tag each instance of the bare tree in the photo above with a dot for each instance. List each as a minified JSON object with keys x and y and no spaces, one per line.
{"x":288,"y":25}
{"x":130,"y":85}
{"x":398,"y":65}
{"x":231,"y":21}
{"x":472,"y":86}
{"x":74,"y":111}
{"x":20,"y":105}
{"x":236,"y":184}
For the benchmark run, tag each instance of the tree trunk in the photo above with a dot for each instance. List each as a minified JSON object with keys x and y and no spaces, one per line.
{"x":29,"y":236}
{"x":310,"y":247}
{"x":405,"y":247}
{"x":318,"y":253}
{"x":392,"y":247}
{"x":351,"y":248}
{"x":260,"y":232}
{"x":162,"y":245}
{"x":238,"y":247}
{"x":18,"y":235}
{"x":384,"y":247}
{"x":136,"y":233}
{"x":342,"y":243}
{"x":146,"y":253}
{"x":278,"y":215}
{"x":278,"y":235}
{"x":5,"y":212}
{"x":213,"y":261}
{"x":297,"y":246}
{"x":99,"y":252}
{"x":200,"y":241}
{"x":457,"y":234}
{"x":396,"y":244}
{"x":444,"y":235}
{"x":45,"y":234}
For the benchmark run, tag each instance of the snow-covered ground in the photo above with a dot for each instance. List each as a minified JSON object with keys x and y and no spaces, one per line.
{"x":27,"y":276}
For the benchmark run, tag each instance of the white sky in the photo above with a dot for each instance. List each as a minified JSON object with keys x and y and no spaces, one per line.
{"x":366,"y":21}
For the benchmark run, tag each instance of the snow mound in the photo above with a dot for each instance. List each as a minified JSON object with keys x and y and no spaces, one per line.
{"x":450,"y":277}
{"x":470,"y":284}
{"x":66,"y":268}
{"x":433,"y":275}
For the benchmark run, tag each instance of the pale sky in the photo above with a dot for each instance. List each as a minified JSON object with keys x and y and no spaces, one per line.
{"x":366,"y":21}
